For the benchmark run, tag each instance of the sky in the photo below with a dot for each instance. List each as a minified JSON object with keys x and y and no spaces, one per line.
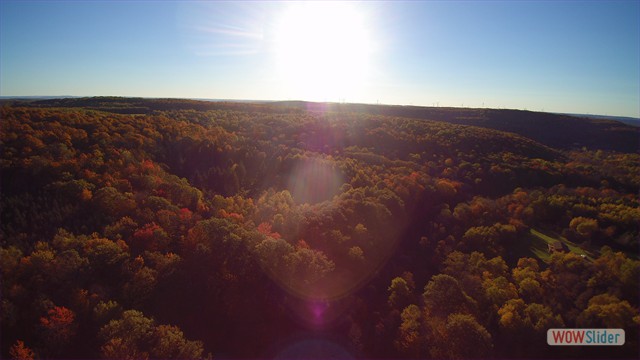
{"x":554,"y":56}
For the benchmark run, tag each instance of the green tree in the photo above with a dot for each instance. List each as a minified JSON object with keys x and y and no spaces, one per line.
{"x":135,"y":336}
{"x":409,"y":341}
{"x":400,"y":294}
{"x":527,"y":277}
{"x":308,"y":265}
{"x":524,"y":326}
{"x":170,"y":343}
{"x":443,"y":295}
{"x":608,"y":311}
{"x":463,"y":338}
{"x":584,"y":226}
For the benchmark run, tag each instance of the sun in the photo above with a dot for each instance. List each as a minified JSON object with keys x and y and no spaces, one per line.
{"x":322,"y":51}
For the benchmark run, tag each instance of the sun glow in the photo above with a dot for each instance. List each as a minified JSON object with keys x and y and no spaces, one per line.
{"x":322,"y":51}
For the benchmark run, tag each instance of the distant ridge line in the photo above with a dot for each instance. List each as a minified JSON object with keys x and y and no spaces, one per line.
{"x":629,"y":120}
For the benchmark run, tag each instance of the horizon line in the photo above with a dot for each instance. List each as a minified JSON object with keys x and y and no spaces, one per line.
{"x":51,"y":97}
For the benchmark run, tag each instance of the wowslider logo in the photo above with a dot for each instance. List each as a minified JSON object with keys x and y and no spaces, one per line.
{"x":585,"y":337}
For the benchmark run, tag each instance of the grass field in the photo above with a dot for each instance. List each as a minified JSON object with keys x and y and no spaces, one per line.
{"x":540,"y":239}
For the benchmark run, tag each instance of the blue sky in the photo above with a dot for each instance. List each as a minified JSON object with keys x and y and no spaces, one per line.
{"x":581,"y":57}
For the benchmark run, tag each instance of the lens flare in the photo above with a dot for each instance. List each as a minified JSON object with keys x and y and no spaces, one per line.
{"x":314,"y":181}
{"x":314,"y":348}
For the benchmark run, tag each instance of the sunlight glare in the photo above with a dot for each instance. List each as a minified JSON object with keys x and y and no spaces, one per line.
{"x":322,"y":50}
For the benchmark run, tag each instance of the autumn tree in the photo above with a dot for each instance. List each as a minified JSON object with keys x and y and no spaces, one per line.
{"x":521,"y":322}
{"x":400,"y":293}
{"x":443,"y":295}
{"x":19,"y":351}
{"x":585,"y":227}
{"x":135,"y":336}
{"x":59,"y":327}
{"x":528,"y":279}
{"x":463,"y":338}
{"x":410,"y":340}
{"x":170,"y":343}
{"x":607,"y":311}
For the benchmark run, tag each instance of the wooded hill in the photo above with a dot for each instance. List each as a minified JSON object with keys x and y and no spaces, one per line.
{"x":556,"y":130}
{"x":155,"y":228}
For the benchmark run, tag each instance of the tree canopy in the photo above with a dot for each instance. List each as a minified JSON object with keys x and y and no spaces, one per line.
{"x":139,"y":228}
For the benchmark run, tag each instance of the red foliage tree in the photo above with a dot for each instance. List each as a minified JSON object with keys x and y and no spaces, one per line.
{"x":19,"y":351}
{"x":265,"y":228}
{"x":59,"y":326}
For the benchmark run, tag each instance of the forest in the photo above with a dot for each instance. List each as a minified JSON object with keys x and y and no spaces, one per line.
{"x":182,"y":229}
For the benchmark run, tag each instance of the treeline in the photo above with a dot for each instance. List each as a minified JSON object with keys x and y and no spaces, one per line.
{"x":556,"y":130}
{"x":186,"y":231}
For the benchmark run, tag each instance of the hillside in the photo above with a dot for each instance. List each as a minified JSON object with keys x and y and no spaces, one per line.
{"x":166,"y":228}
{"x":555,"y":130}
